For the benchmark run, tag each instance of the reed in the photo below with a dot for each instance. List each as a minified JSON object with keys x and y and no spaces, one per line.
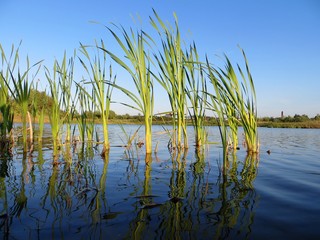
{"x":6,"y":121}
{"x":82,"y":118}
{"x":41,"y":124}
{"x":172,"y":76}
{"x":20,"y":90}
{"x":234,"y":101}
{"x":241,"y":95}
{"x":133,"y":46}
{"x":233,"y":123}
{"x":217,"y":104}
{"x":128,"y":141}
{"x":249,"y":109}
{"x":196,"y":90}
{"x":66,"y":79}
{"x":56,"y":121}
{"x":97,"y":73}
{"x":85,"y":121}
{"x":37,"y":111}
{"x":90,"y":125}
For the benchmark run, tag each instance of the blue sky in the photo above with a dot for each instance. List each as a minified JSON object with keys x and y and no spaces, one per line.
{"x":281,"y":39}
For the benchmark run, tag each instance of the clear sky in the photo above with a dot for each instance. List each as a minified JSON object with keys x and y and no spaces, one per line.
{"x":281,"y":39}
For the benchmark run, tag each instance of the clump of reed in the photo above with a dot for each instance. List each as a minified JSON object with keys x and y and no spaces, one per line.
{"x":19,"y":85}
{"x":102,"y":87}
{"x":234,"y":102}
{"x":6,"y":112}
{"x":239,"y":98}
{"x":196,"y":91}
{"x":172,"y":77}
{"x":66,"y":79}
{"x":180,"y":72}
{"x":138,"y":66}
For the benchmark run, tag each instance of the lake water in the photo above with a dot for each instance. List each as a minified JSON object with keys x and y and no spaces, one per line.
{"x":176,"y":196}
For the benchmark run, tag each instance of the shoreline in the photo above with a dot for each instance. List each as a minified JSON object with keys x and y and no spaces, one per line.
{"x":311,"y":124}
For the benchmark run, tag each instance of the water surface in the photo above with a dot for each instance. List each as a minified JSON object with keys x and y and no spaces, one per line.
{"x":177,"y":196}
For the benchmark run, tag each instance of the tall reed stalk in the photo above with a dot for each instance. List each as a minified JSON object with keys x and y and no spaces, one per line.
{"x":97,"y":73}
{"x":249,"y":116}
{"x":234,"y":101}
{"x":86,"y":121}
{"x":172,"y":76}
{"x":66,"y":71}
{"x":133,"y":46}
{"x":20,"y":90}
{"x":196,"y":91}
{"x":54,"y":114}
{"x":6,"y":111}
{"x":241,"y":95}
{"x":90,"y":109}
{"x":41,"y":124}
{"x":218,"y":106}
{"x":82,"y":118}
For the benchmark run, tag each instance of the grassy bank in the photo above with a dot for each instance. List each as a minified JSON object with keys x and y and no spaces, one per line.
{"x":304,"y":124}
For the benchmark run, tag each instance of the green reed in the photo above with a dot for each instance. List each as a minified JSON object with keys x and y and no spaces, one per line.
{"x":133,"y":46}
{"x":129,"y":141}
{"x":82,"y":118}
{"x":172,"y":76}
{"x":6,"y":111}
{"x":217,"y":104}
{"x":20,"y":90}
{"x":66,"y":79}
{"x":102,"y":91}
{"x":41,"y":124}
{"x":55,"y":119}
{"x":241,"y":96}
{"x":86,"y":118}
{"x":90,"y":109}
{"x":196,"y":91}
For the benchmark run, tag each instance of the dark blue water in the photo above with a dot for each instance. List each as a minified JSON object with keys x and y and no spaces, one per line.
{"x":177,"y":196}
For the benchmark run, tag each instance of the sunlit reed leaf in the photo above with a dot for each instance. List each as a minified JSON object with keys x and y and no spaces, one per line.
{"x":102,"y":88}
{"x":172,"y":76}
{"x":133,"y":47}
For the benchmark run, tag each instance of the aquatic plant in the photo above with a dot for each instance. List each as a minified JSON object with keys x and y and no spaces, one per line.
{"x":20,"y":91}
{"x":54,"y":113}
{"x":82,"y":117}
{"x":41,"y":124}
{"x":128,"y":141}
{"x":217,"y":104}
{"x":133,"y":46}
{"x":172,"y":76}
{"x":196,"y":90}
{"x":239,"y":94}
{"x":6,"y":113}
{"x":90,"y":123}
{"x":66,"y":79}
{"x":102,"y":91}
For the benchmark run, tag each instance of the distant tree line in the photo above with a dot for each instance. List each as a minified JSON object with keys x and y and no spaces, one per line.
{"x":295,"y":118}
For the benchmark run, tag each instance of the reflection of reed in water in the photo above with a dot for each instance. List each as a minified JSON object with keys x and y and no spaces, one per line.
{"x":4,"y":213}
{"x":98,"y":204}
{"x":197,"y":202}
{"x":232,"y":211}
{"x":138,"y":226}
{"x":173,"y":218}
{"x":222,"y":210}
